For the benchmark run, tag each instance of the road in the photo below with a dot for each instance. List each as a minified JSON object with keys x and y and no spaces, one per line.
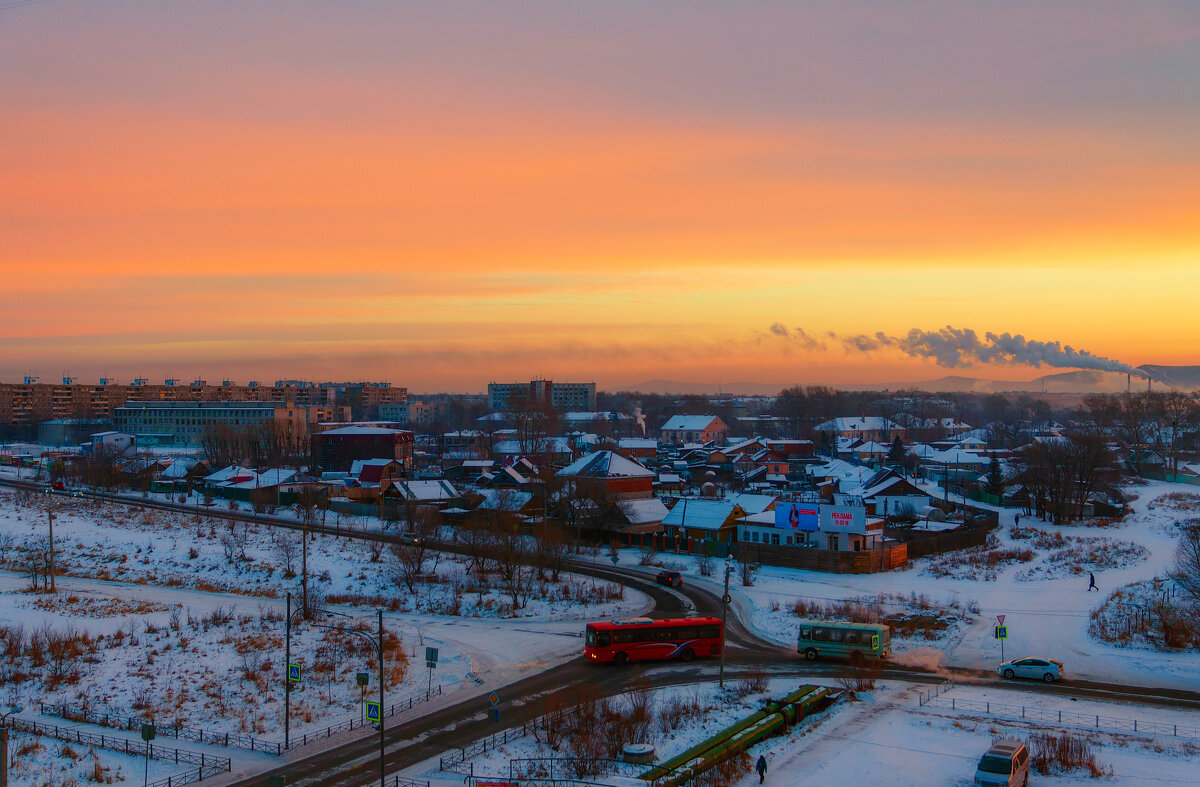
{"x":455,"y":726}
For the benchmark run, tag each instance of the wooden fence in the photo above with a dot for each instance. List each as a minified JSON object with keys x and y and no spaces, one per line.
{"x":869,"y":561}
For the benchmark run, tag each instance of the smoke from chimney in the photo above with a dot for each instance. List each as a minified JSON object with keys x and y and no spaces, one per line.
{"x":954,"y":347}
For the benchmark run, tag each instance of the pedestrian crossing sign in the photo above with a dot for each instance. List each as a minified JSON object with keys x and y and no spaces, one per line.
{"x":373,"y":711}
{"x":294,"y":673}
{"x":1001,"y":632}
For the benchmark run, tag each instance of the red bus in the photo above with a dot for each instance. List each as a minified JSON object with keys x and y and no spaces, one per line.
{"x":643,"y":639}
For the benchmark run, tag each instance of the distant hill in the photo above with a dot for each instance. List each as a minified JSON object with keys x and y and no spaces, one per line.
{"x":1187,"y":377}
{"x":704,"y":389}
{"x":1079,"y":382}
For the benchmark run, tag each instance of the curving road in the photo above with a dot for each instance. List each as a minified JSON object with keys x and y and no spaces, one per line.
{"x":409,"y":743}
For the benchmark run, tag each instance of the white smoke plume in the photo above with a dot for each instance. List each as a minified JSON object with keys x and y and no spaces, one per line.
{"x":798,"y":336}
{"x":954,"y":347}
{"x":640,"y":418}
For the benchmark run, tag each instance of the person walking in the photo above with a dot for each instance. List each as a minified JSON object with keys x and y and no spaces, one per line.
{"x":1017,"y":520}
{"x":1092,"y":582}
{"x":761,"y":767}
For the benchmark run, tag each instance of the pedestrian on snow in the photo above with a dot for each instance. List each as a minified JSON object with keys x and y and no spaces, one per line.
{"x":1092,"y":582}
{"x":761,"y":767}
{"x":1017,"y":520}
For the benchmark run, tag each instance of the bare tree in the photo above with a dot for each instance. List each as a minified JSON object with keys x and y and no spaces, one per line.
{"x":1187,"y":561}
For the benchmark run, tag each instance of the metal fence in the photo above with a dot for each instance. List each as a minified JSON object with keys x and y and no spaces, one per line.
{"x":928,"y":695}
{"x":1085,"y":720}
{"x":404,"y":781}
{"x":179,"y":732}
{"x":562,"y":770}
{"x":205,"y":764}
{"x":197,"y":735}
{"x":455,"y":761}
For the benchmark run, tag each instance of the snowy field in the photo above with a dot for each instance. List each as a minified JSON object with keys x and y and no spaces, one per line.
{"x":155,"y":615}
{"x":1044,"y":599}
{"x":110,"y":541}
{"x":36,"y":761}
{"x":886,"y":739}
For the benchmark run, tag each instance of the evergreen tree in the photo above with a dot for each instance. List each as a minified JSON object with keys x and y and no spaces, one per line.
{"x":896,"y":453}
{"x":995,"y":478}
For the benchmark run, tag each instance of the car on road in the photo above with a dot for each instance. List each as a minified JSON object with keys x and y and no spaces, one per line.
{"x":415,"y":539}
{"x":1006,"y":763}
{"x":672,"y":579}
{"x":1048,"y":670}
{"x":58,"y":486}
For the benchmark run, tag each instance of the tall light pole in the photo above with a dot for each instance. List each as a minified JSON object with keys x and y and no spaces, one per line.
{"x":50,"y":522}
{"x":724,"y":616}
{"x":4,"y":742}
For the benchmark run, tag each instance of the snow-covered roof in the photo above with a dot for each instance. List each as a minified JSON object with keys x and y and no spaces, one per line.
{"x":643,"y":511}
{"x":867,"y":423}
{"x":761,"y":518}
{"x":549,"y":445}
{"x":689,"y":423}
{"x":356,"y":467}
{"x":872,"y":448}
{"x":362,"y":430}
{"x":637,"y":442}
{"x":179,"y":468}
{"x":267,"y":478}
{"x":670,"y":478}
{"x":753,"y":504}
{"x":479,"y":463}
{"x":231,"y":473}
{"x":583,"y":417}
{"x":702,"y":514}
{"x":426,"y":491}
{"x":505,"y":500}
{"x":605,"y":464}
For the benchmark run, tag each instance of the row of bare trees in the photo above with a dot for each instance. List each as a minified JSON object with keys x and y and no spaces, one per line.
{"x":1060,"y":475}
{"x":1167,"y":422}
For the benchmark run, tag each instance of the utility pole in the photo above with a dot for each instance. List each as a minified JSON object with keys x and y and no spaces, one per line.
{"x":4,"y":743}
{"x":382,"y":713}
{"x":50,"y":519}
{"x":724,"y":617}
{"x":287,"y":679}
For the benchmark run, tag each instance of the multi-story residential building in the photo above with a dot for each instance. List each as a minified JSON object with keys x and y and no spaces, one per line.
{"x":34,"y":402}
{"x":561,"y":396}
{"x":187,"y":423}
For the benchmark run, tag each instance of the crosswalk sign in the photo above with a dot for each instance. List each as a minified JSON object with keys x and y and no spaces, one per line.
{"x":294,"y":673}
{"x":1001,"y":632}
{"x":373,"y":711}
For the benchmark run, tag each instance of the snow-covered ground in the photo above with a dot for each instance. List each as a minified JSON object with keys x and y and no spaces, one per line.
{"x":38,"y":761}
{"x":887,"y":739}
{"x":1047,"y":611}
{"x":113,"y":541}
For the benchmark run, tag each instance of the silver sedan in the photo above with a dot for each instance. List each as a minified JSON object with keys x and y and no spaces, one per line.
{"x":1047,"y":670}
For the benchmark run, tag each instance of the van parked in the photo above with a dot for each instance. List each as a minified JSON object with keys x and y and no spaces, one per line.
{"x":1006,"y":763}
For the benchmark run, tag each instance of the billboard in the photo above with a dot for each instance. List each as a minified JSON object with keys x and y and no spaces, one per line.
{"x":796,"y":516}
{"x":843,"y":519}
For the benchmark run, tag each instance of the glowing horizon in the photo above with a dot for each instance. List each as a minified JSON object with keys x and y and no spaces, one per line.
{"x":441,"y":195}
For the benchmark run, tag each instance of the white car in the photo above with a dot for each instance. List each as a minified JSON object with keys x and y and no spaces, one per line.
{"x":1047,"y":670}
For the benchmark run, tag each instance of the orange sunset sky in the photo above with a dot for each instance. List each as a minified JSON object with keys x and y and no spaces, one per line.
{"x":439,"y":194}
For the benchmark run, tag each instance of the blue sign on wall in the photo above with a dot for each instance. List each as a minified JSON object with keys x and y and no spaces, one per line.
{"x":796,"y":516}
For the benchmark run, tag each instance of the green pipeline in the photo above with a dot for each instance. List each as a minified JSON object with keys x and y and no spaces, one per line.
{"x":775,"y":716}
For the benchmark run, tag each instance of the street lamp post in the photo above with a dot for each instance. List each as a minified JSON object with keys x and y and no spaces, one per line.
{"x":377,"y":643}
{"x":4,"y":742}
{"x":724,"y":616}
{"x":50,"y":522}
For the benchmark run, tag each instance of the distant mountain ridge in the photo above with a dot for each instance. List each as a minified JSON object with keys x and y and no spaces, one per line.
{"x":1076,"y":382}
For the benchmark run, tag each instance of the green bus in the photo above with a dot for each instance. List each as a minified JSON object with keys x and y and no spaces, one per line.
{"x":839,"y":639}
